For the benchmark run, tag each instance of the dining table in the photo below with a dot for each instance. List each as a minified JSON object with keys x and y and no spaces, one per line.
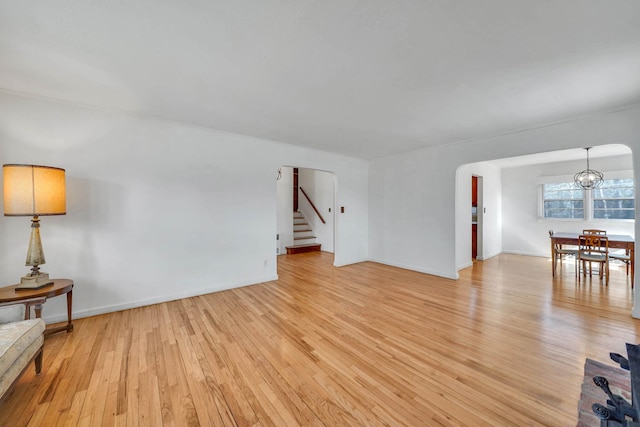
{"x":616,"y":241}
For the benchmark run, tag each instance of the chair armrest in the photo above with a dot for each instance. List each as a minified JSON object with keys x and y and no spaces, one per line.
{"x":24,"y":311}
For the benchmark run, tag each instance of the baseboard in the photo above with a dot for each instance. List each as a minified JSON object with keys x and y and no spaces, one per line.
{"x":527,"y":254}
{"x":62,"y":317}
{"x":349,"y":262}
{"x":489,"y":257}
{"x":463,"y":266}
{"x":418,"y":269}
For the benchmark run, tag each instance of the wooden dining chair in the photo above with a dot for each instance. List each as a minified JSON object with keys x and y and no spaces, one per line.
{"x":560,"y":253}
{"x":594,"y":231}
{"x":593,"y":248}
{"x":624,"y":257}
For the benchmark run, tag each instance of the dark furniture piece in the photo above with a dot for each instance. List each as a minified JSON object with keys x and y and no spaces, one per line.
{"x":616,"y":241}
{"x":59,"y":287}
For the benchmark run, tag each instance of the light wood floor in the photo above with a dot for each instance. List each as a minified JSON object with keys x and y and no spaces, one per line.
{"x":365,"y":344}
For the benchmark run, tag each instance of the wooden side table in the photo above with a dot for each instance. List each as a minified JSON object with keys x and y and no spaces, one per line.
{"x":59,"y":287}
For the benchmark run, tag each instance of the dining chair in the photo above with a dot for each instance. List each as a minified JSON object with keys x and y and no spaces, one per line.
{"x":625,"y":257}
{"x":616,"y":255}
{"x":594,"y":231}
{"x":593,"y":248}
{"x":560,"y":252}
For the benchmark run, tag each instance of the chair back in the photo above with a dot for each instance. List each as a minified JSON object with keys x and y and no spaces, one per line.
{"x":594,"y":231}
{"x":18,"y":310}
{"x":12,"y":313}
{"x":593,"y":244}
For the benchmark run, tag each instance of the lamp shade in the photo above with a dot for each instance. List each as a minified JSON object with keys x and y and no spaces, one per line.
{"x":31,"y":190}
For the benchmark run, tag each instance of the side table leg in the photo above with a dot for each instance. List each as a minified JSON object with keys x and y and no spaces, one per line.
{"x":632,"y":261}
{"x":553,"y":259}
{"x":38,"y":310}
{"x":69,"y":305}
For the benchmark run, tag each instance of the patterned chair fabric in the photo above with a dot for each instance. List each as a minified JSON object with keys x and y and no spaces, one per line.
{"x":21,"y":341}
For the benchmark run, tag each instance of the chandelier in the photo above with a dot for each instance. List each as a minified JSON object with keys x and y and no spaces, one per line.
{"x":588,"y":178}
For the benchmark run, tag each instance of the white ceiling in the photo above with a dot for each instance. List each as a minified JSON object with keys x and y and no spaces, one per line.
{"x":361,"y":78}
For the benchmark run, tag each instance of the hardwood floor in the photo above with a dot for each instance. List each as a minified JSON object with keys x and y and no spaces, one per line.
{"x":365,"y":344}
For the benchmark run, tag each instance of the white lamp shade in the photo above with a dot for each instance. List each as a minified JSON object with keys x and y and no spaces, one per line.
{"x":31,"y":190}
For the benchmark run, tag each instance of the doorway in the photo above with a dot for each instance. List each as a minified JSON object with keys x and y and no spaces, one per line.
{"x":313,"y":197}
{"x":474,"y":218}
{"x":477,"y":218}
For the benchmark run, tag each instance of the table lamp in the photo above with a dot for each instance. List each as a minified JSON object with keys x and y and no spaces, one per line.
{"x":31,"y":190}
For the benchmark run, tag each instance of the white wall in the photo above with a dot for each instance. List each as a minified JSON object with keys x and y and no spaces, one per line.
{"x":525,"y":233}
{"x":158,"y":210}
{"x":319,"y":186}
{"x":412,"y":211}
{"x":413,"y":195}
{"x":489,"y":222}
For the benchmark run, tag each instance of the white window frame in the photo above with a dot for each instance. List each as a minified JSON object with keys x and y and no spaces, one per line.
{"x":593,"y":199}
{"x":588,"y":197}
{"x":541,"y":201}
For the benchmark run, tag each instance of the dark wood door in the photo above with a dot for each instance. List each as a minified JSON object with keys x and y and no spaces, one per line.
{"x":295,"y":189}
{"x":474,"y":241}
{"x":474,"y":191}
{"x":474,"y":216}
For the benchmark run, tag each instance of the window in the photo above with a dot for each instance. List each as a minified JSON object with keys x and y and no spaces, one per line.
{"x":563,"y":200}
{"x":614,"y":200}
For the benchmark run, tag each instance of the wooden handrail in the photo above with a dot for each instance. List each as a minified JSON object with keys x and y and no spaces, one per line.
{"x":313,"y":206}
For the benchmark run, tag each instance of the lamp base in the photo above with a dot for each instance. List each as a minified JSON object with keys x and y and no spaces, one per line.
{"x":29,"y":283}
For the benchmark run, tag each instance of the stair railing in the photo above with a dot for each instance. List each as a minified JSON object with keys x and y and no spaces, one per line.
{"x":312,"y":205}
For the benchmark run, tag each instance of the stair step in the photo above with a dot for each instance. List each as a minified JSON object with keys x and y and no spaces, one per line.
{"x":297,"y":249}
{"x":303,"y":237}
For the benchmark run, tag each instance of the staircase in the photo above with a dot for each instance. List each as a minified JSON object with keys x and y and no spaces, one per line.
{"x":303,"y":238}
